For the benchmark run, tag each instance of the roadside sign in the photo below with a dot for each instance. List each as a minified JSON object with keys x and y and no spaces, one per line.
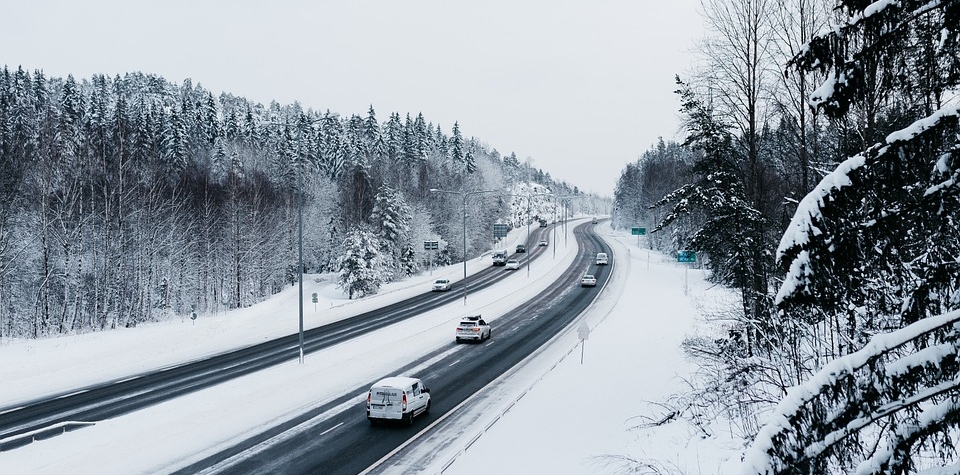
{"x":499,"y":230}
{"x":315,"y":297}
{"x":584,"y":331}
{"x":430,"y":245}
{"x":685,"y":255}
{"x":638,"y":231}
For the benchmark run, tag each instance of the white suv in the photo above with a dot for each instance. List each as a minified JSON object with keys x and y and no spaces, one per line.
{"x":601,"y":258}
{"x":473,"y":328}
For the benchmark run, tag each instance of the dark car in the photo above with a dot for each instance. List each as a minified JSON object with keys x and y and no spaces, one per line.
{"x":521,"y":248}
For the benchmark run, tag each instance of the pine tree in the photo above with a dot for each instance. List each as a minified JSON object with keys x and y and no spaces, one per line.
{"x":456,"y":146}
{"x":716,"y":202}
{"x":361,"y":265}
{"x":390,"y":218}
{"x":873,"y":249}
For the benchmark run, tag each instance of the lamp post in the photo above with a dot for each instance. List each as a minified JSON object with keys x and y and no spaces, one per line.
{"x":528,"y":197}
{"x":300,"y":242}
{"x":565,"y":198}
{"x":463,"y":195}
{"x":301,"y":122}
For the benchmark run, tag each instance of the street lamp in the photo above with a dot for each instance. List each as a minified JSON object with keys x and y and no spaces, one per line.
{"x":528,"y":197}
{"x":463,"y":195}
{"x":302,"y":122}
{"x":565,"y":198}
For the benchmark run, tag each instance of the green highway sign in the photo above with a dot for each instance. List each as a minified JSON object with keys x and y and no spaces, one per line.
{"x":638,"y":231}
{"x":684,"y":255}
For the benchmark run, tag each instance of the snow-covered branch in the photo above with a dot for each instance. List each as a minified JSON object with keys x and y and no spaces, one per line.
{"x":791,"y":436}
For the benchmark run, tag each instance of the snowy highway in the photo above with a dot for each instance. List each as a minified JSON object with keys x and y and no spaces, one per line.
{"x":466,"y":368}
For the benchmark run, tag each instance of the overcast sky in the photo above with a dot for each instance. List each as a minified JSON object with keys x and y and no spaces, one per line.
{"x":580,"y":87}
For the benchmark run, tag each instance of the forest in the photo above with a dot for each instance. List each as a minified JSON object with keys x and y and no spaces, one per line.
{"x":818,"y":178}
{"x":131,"y":199}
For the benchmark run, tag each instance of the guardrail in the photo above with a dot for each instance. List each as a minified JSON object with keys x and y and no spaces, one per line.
{"x":41,"y":434}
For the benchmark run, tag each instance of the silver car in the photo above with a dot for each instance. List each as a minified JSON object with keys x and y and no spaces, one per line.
{"x":442,"y":285}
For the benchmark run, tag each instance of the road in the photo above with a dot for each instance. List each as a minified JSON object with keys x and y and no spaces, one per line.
{"x":345,"y":443}
{"x":337,"y":445}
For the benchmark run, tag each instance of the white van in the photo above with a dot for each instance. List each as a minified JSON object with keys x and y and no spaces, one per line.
{"x":601,"y":258}
{"x":397,"y":398}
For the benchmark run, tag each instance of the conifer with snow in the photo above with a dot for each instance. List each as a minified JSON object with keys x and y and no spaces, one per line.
{"x":362,"y":267}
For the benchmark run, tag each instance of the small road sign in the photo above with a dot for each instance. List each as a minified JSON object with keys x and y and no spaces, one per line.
{"x":685,"y":255}
{"x":638,"y":231}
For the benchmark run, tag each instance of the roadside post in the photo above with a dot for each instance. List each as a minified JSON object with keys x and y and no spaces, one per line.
{"x":430,"y":246}
{"x":638,"y":231}
{"x":315,"y":300}
{"x":193,"y":314}
{"x":685,"y":256}
{"x":583,"y":332}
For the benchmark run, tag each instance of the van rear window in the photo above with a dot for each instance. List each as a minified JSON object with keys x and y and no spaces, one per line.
{"x":386,"y":393}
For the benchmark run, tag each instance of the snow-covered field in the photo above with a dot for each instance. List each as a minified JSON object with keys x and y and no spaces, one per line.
{"x":555,"y":414}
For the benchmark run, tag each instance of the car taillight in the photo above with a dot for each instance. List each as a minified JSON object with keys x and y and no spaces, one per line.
{"x":476,"y":329}
{"x":368,"y":399}
{"x":404,"y":401}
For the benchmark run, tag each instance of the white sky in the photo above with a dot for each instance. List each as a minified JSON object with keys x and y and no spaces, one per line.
{"x":581,"y":87}
{"x":551,"y":415}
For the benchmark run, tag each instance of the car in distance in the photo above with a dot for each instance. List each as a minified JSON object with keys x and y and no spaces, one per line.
{"x":594,"y":220}
{"x":397,"y":398}
{"x":588,"y":280}
{"x":442,"y":285}
{"x":499,"y":258}
{"x":521,"y":248}
{"x":512,"y":264}
{"x":473,"y":328}
{"x":601,"y":258}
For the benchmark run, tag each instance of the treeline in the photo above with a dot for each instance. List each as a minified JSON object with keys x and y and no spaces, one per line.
{"x":131,"y":199}
{"x":819,"y":178}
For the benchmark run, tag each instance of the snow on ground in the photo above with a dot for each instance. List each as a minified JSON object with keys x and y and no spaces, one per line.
{"x":553,"y":414}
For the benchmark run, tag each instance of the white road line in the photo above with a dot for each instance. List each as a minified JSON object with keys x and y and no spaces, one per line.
{"x":331,"y":429}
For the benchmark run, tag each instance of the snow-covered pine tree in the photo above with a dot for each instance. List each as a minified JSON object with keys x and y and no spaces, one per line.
{"x":361,"y":265}
{"x":408,"y":260}
{"x":390,"y":217}
{"x":872,"y":243}
{"x":376,"y":146}
{"x":715,"y":201}
{"x":456,"y":146}
{"x":873,"y":249}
